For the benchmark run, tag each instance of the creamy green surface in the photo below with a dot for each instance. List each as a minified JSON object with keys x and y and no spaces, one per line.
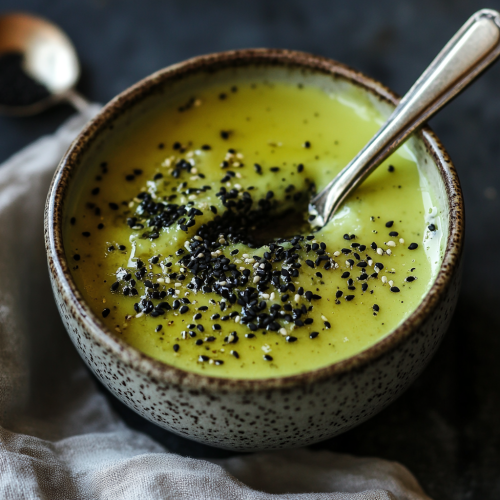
{"x":138,"y":259}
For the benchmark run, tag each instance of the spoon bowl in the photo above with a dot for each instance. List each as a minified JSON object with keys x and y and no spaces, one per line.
{"x":47,"y":57}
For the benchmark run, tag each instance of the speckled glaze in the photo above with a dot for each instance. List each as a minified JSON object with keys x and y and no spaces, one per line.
{"x":268,"y":413}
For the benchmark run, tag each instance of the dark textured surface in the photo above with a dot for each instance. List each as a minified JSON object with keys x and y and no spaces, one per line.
{"x":445,"y":428}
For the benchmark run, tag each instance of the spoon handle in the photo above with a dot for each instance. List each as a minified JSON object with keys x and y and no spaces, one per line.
{"x":473,"y":48}
{"x":76,"y":99}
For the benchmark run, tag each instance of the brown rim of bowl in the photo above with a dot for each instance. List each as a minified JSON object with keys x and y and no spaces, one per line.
{"x":162,"y":372}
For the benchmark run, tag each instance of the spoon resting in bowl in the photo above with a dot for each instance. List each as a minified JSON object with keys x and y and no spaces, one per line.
{"x":473,"y":48}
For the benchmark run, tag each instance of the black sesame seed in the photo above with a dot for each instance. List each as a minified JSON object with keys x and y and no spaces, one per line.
{"x":346,"y":237}
{"x":72,"y":221}
{"x":375,"y":307}
{"x":413,"y":246}
{"x":300,"y":168}
{"x":339,"y":294}
{"x":115,"y":286}
{"x":86,"y":234}
{"x":216,"y":326}
{"x":307,"y":144}
{"x":105,"y":313}
{"x":391,"y":168}
{"x":432,"y":227}
{"x":313,"y":335}
{"x":235,"y":354}
{"x":410,"y":279}
{"x":249,"y":335}
{"x":184,"y":309}
{"x":267,"y":357}
{"x":218,"y":362}
{"x":389,"y":224}
{"x":291,"y":338}
{"x":345,"y":275}
{"x":76,"y":256}
{"x":393,"y":233}
{"x":349,"y":297}
{"x":176,"y":347}
{"x":202,"y":358}
{"x":394,"y":289}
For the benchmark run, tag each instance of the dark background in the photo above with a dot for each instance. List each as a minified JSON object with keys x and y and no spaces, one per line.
{"x":445,"y":429}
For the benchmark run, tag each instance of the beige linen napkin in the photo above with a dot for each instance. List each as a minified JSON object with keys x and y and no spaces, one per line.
{"x":59,"y":439}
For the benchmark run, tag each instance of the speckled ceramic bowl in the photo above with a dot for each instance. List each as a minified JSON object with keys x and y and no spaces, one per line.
{"x":268,"y":413}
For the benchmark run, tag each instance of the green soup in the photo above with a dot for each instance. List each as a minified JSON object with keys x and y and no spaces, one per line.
{"x":189,"y":236}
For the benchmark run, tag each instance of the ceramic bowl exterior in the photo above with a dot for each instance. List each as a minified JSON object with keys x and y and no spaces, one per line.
{"x":266,"y":413}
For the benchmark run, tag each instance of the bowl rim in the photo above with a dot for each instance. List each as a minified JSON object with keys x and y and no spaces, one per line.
{"x":164,"y":373}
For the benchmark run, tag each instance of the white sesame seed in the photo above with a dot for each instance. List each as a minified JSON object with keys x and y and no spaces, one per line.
{"x":384,"y":279}
{"x":237,"y":261}
{"x":324,"y":318}
{"x":256,"y":279}
{"x":211,"y":361}
{"x":265,"y":296}
{"x":222,"y":283}
{"x":272,"y":296}
{"x":161,"y":280}
{"x":336,"y":254}
{"x":297,"y":297}
{"x":390,"y":243}
{"x":237,"y":319}
{"x":198,"y":238}
{"x":388,"y":251}
{"x":391,"y":283}
{"x":283,"y":331}
{"x":178,"y":285}
{"x":242,"y":268}
{"x":402,"y":241}
{"x":200,"y":255}
{"x":139,"y":315}
{"x":370,"y":262}
{"x":380,"y":251}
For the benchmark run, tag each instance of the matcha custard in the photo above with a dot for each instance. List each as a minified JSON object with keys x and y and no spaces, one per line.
{"x":189,"y":235}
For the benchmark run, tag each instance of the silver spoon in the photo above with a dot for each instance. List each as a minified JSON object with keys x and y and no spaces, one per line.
{"x":474,"y":47}
{"x":48,"y":57}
